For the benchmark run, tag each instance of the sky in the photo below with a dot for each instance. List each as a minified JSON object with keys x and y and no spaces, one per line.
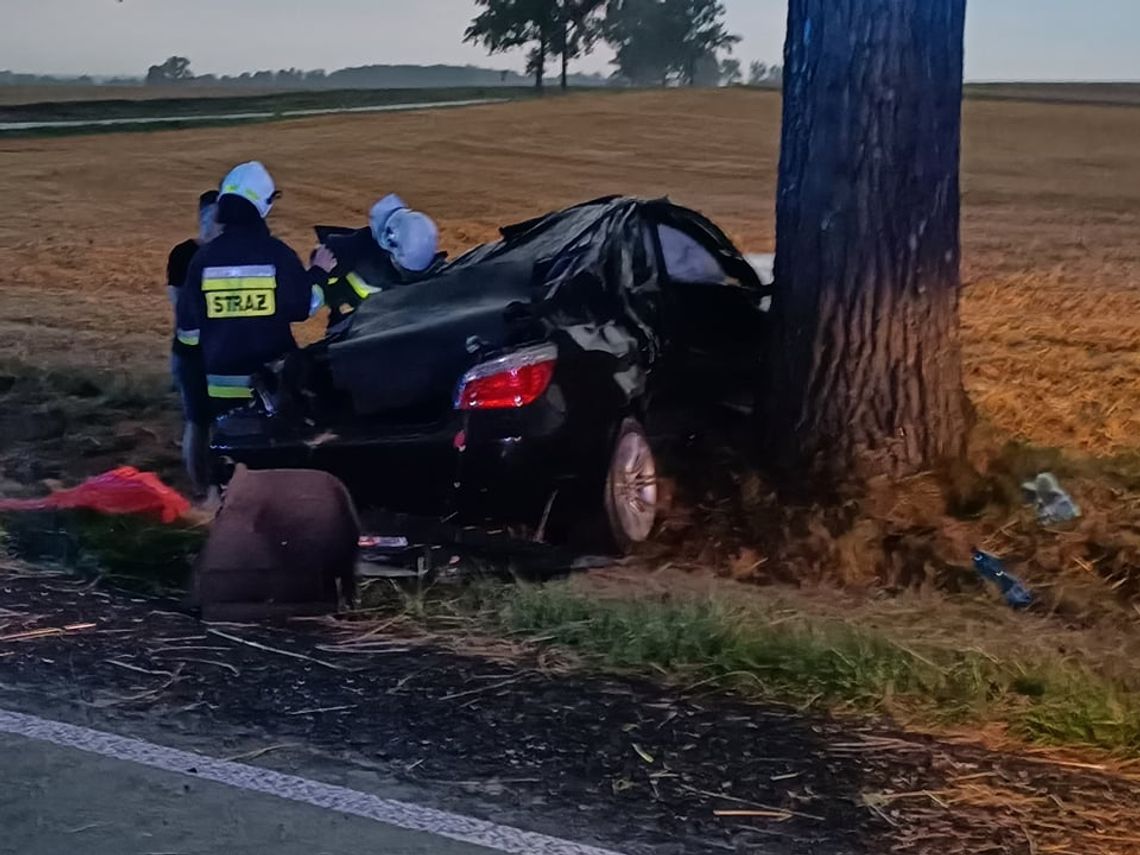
{"x":1006,"y":39}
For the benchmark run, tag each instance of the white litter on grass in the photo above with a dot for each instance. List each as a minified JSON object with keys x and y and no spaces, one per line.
{"x":240,"y":117}
{"x":411,"y":817}
{"x":1052,"y":503}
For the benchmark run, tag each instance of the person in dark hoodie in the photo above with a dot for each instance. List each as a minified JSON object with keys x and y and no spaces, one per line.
{"x":185,"y":358}
{"x":243,"y":291}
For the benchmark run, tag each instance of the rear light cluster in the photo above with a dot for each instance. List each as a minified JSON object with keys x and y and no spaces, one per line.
{"x":509,"y":382}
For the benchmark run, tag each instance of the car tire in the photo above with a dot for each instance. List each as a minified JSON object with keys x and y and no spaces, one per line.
{"x":632,"y":493}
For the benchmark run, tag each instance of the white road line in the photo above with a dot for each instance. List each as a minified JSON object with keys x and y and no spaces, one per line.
{"x":238,"y":117}
{"x":465,"y":829}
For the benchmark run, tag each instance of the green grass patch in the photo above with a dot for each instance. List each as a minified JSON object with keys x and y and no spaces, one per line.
{"x":824,"y":664}
{"x":129,"y":550}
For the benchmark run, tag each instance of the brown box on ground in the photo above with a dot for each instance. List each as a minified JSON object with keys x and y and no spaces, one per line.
{"x":283,"y":544}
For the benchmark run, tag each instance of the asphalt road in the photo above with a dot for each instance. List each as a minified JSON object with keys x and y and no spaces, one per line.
{"x":55,"y":799}
{"x":58,"y":798}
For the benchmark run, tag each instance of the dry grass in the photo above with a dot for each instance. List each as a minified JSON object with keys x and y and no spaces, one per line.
{"x":1052,"y":203}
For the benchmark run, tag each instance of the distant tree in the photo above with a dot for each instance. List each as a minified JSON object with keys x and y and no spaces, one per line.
{"x":563,"y":28}
{"x":637,"y":31}
{"x":292,"y":77}
{"x":578,"y":29}
{"x":762,"y":74}
{"x":176,"y":69}
{"x":704,"y":72}
{"x":730,"y":72}
{"x":668,"y":40}
{"x":703,"y":34}
{"x":316,"y":77}
{"x":536,"y":65}
{"x":507,"y":24}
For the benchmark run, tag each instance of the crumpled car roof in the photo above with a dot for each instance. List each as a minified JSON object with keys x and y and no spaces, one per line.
{"x":584,"y":275}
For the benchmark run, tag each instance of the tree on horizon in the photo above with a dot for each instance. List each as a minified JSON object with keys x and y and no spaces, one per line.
{"x":564,"y":28}
{"x":175,"y":69}
{"x":668,"y":41}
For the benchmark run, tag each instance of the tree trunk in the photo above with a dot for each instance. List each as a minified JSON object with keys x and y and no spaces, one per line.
{"x":540,"y":71}
{"x":867,"y":376}
{"x":565,"y":54}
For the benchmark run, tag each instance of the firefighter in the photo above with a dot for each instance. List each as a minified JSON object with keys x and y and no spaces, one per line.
{"x":398,"y":246}
{"x":244,"y":289}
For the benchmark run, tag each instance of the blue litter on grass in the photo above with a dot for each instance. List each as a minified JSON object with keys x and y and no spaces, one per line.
{"x":989,"y":567}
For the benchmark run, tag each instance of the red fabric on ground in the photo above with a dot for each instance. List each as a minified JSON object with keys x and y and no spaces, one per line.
{"x":120,"y":491}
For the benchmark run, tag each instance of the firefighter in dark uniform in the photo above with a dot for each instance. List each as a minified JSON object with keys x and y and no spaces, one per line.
{"x":243,"y":290}
{"x":398,"y":246}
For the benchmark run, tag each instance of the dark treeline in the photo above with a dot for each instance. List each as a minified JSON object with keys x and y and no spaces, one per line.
{"x":176,"y":71}
{"x":13,"y":78}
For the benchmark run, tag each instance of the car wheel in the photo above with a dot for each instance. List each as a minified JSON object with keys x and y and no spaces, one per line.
{"x":631,"y":488}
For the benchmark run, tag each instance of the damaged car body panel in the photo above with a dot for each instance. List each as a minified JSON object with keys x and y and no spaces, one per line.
{"x":479,"y":393}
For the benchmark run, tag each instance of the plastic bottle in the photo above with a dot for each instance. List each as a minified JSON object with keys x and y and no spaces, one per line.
{"x":1016,"y":595}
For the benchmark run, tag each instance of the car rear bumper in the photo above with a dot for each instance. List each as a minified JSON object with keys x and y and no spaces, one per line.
{"x":478,"y":467}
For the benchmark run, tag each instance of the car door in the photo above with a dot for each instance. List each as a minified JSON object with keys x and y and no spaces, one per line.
{"x":715,"y":308}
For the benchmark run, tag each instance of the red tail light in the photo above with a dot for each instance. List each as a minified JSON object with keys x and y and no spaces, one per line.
{"x":512,"y":381}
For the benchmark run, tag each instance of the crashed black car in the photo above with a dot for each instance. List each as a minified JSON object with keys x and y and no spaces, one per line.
{"x":526,"y":380}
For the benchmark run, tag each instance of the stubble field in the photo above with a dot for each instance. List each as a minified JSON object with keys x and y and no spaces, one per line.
{"x":1051,"y":308}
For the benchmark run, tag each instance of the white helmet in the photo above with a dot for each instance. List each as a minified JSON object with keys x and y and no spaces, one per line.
{"x":410,"y":237}
{"x":381,"y":211}
{"x":252,"y":182}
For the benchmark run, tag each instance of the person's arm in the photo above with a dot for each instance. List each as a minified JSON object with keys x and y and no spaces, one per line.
{"x":296,"y":285}
{"x":188,"y":311}
{"x":175,"y":274}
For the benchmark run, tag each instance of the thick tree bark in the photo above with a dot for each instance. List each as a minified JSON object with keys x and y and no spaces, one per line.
{"x":867,"y":375}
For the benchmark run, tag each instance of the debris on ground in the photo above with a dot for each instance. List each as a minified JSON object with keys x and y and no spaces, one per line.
{"x":990,"y":567}
{"x":1053,"y":504}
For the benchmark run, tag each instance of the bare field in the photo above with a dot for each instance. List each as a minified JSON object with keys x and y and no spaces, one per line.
{"x":1051,"y":313}
{"x":1121,"y":94}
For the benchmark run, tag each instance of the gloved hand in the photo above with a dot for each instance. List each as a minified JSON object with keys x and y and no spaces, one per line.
{"x":324,"y":259}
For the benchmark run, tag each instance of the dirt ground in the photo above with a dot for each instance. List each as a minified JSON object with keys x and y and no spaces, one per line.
{"x":1052,"y":202}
